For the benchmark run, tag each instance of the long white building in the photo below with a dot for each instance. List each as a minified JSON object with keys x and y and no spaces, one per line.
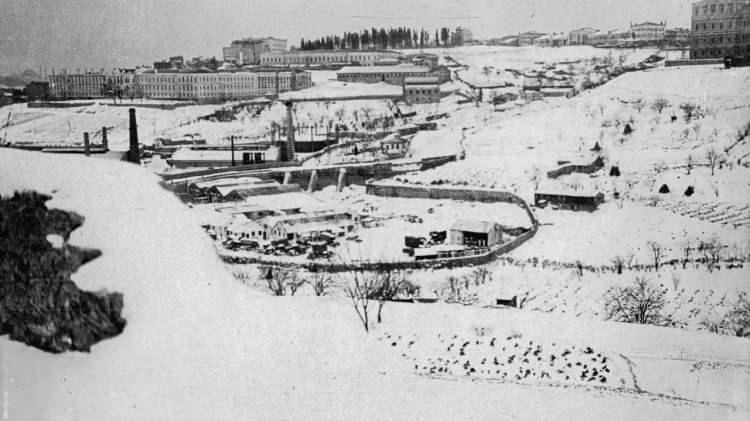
{"x":328,"y":57}
{"x":188,"y":84}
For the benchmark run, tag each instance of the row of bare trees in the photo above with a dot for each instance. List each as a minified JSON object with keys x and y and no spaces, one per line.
{"x":366,"y":288}
{"x":378,"y":285}
{"x":283,"y":281}
{"x":643,"y":303}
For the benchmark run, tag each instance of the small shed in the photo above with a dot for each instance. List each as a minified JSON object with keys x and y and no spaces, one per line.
{"x":394,"y":146}
{"x":468,"y":232}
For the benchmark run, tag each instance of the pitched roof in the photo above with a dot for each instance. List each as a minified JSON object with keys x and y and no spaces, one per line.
{"x":469,"y":225}
{"x":401,"y":68}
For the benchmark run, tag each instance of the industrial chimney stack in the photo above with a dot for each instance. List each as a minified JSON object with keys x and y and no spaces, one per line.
{"x":289,"y":132}
{"x":133,"y":153}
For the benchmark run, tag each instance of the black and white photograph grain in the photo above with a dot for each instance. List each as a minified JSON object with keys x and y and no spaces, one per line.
{"x":374,"y":210}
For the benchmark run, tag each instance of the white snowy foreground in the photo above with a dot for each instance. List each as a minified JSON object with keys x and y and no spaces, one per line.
{"x":198,"y":345}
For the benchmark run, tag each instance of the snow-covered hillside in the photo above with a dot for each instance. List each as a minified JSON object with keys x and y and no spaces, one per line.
{"x":198,"y":345}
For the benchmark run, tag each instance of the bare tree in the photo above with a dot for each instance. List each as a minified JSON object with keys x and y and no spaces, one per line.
{"x":293,"y":282}
{"x":711,"y":251}
{"x":360,"y":285}
{"x":689,"y":164}
{"x":736,"y":322}
{"x":454,"y":288}
{"x":687,"y":249}
{"x":689,"y":109}
{"x":713,"y":158}
{"x":657,"y":252}
{"x":738,"y":318}
{"x":479,"y":276}
{"x":619,"y":263}
{"x":391,"y":283}
{"x":320,"y":282}
{"x":639,"y":105}
{"x":660,"y":104}
{"x":274,"y":281}
{"x":639,"y":303}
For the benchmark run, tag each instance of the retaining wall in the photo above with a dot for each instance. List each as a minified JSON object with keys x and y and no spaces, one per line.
{"x":697,"y":62}
{"x":420,"y":192}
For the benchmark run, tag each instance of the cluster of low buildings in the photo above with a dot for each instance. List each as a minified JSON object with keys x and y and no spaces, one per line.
{"x":266,"y":211}
{"x":718,"y":29}
{"x":636,"y":35}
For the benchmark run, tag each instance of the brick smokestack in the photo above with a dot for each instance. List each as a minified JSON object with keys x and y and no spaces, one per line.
{"x":105,"y":142}
{"x":133,"y":153}
{"x":289,"y":132}
{"x":86,"y":144}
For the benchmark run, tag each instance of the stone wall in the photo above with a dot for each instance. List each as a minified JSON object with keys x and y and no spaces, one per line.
{"x":404,"y":191}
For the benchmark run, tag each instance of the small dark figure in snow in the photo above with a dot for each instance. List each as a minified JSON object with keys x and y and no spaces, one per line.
{"x":627,"y":129}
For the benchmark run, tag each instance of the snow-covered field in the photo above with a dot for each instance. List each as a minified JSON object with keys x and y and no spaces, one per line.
{"x":198,"y":345}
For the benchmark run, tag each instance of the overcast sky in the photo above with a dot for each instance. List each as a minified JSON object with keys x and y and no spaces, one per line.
{"x":110,"y":33}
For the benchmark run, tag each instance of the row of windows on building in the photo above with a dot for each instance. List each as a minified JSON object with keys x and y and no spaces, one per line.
{"x":720,"y":26}
{"x":726,"y":39}
{"x":719,"y":52}
{"x":712,"y":9}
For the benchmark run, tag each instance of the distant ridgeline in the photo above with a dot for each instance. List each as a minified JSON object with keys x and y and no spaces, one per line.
{"x":39,"y":304}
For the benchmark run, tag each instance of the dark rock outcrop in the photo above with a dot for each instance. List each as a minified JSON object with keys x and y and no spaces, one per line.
{"x":39,"y":304}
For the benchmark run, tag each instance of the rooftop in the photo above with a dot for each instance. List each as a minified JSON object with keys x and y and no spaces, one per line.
{"x":423,"y":80}
{"x":469,"y":225}
{"x":401,"y":68}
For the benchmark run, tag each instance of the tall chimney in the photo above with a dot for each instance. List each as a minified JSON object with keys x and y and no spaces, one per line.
{"x":105,"y":142}
{"x":289,"y":132}
{"x":86,"y":144}
{"x":133,"y":153}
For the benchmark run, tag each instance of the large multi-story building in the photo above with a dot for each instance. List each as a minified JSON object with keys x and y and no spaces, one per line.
{"x":527,"y":38}
{"x":186,"y":84}
{"x":611,"y":38}
{"x":85,"y":85}
{"x":247,"y":51}
{"x":394,"y":75}
{"x":463,"y":36}
{"x":648,"y":32}
{"x":581,"y":36}
{"x":720,"y":28}
{"x":328,"y":58}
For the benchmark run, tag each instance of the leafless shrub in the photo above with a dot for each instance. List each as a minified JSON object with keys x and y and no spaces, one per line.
{"x":639,"y":303}
{"x":321,"y":283}
{"x":713,"y":157}
{"x":479,"y":276}
{"x":736,"y":322}
{"x":619,"y":263}
{"x":688,"y":109}
{"x":711,"y":251}
{"x":660,"y":104}
{"x":738,"y":318}
{"x":282,"y":281}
